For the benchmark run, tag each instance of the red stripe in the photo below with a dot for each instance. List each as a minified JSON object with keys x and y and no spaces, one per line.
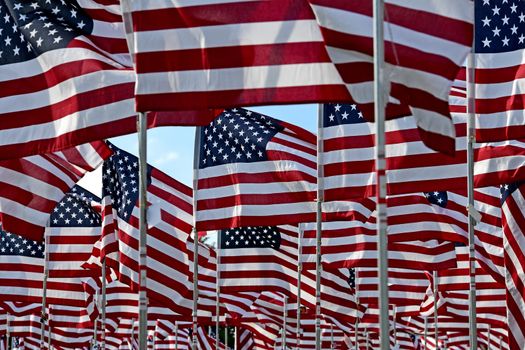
{"x":257,"y":178}
{"x":499,"y":75}
{"x":240,"y":221}
{"x":299,"y":198}
{"x":500,"y":104}
{"x":231,"y":57}
{"x":222,"y":13}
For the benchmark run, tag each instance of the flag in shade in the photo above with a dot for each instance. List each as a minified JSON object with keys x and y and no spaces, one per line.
{"x":228,"y":54}
{"x":513,"y":220}
{"x":423,"y":57}
{"x":348,"y":157}
{"x":32,"y":186}
{"x":75,"y":225}
{"x":254,"y":170}
{"x":170,"y":223}
{"x":499,"y":47}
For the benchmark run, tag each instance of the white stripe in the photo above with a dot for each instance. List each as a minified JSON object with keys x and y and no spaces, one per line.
{"x":289,"y":75}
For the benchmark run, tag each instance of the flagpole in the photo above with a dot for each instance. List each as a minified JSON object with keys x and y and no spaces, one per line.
{"x":436,"y":330}
{"x":103,"y":307}
{"x":331,"y":336}
{"x":500,"y":343}
{"x":196,"y":160}
{"x":319,"y":227}
{"x":8,"y":332}
{"x":43,"y":317}
{"x":285,"y":316}
{"x":394,"y":317}
{"x":176,"y":335}
{"x":357,"y":303}
{"x":488,"y":337}
{"x":143,"y":183}
{"x":218,"y":290}
{"x":425,"y":332}
{"x":236,"y":337}
{"x":471,"y":140}
{"x":379,"y":112}
{"x":366,"y":338}
{"x":299,"y":276}
{"x":95,"y":322}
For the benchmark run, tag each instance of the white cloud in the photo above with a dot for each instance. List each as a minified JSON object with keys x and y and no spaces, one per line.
{"x":166,"y":158}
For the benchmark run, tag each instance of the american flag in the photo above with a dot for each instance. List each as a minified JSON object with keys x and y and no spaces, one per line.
{"x":32,"y":186}
{"x":442,"y":36}
{"x":351,"y":244}
{"x":74,"y":228}
{"x":348,"y":157}
{"x":66,"y":75}
{"x":170,"y":222}
{"x":512,"y":204}
{"x":254,"y":170}
{"x":244,"y":339}
{"x":499,"y":46}
{"x":230,"y":53}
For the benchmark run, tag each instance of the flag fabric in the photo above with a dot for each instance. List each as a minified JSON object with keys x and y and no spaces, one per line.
{"x":75,"y":225}
{"x":228,"y":54}
{"x":169,"y":220}
{"x":512,"y":204}
{"x":254,"y":170}
{"x":499,"y":48}
{"x":348,"y":157}
{"x":443,"y":36}
{"x":32,"y":186}
{"x":66,"y":75}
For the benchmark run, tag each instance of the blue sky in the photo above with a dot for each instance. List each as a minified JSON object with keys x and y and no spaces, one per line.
{"x":170,"y":149}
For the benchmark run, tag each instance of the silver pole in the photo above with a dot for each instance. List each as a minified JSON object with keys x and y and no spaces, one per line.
{"x":285,"y":316}
{"x":103,"y":307}
{"x":471,"y":136}
{"x":43,"y":317}
{"x":176,"y":335}
{"x":357,"y":302}
{"x":8,"y":332}
{"x":425,"y":332}
{"x":225,"y":337}
{"x":49,"y":337}
{"x":500,"y":343}
{"x":319,"y":227}
{"x":488,"y":337}
{"x":436,"y":329}
{"x":195,"y":238}
{"x":331,"y":336}
{"x":143,"y":183}
{"x":236,"y":336}
{"x":366,"y":338}
{"x":95,"y":322}
{"x":218,"y":290}
{"x":395,"y":325}
{"x":299,"y":276}
{"x":379,"y":112}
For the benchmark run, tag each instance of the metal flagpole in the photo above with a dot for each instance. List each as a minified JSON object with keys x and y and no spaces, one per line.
{"x":436,"y":330}
{"x":331,"y":336}
{"x":500,"y":343}
{"x":236,"y":336}
{"x":357,"y":302}
{"x":195,"y":238}
{"x":319,"y":227}
{"x":95,"y":323}
{"x":299,"y":275}
{"x":143,"y":183}
{"x":471,"y":138}
{"x":8,"y":332}
{"x":379,"y":112}
{"x":366,"y":338}
{"x":176,"y":335}
{"x":43,"y":317}
{"x":285,"y":316}
{"x":488,"y":337}
{"x":395,"y":325}
{"x":218,"y":290}
{"x":225,"y":336}
{"x":103,"y":307}
{"x":425,"y":332}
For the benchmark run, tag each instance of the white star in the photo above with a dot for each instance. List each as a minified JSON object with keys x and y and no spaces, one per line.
{"x":495,"y":10}
{"x":16,"y":51}
{"x":331,"y":117}
{"x":521,"y":39}
{"x":18,"y":6}
{"x":39,"y":42}
{"x":337,"y":107}
{"x":345,"y":115}
{"x":7,"y":41}
{"x":73,"y":13}
{"x":496,"y":31}
{"x":57,"y":40}
{"x":514,"y":29}
{"x":34,"y":5}
{"x":505,"y":41}
{"x":52,"y":32}
{"x":505,"y":20}
{"x":55,"y":10}
{"x":486,"y":22}
{"x":486,"y":2}
{"x":33,"y":33}
{"x":22,"y":17}
{"x":6,"y":18}
{"x":513,"y":8}
{"x":522,"y":17}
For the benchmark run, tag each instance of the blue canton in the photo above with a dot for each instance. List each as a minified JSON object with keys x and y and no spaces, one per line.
{"x":251,"y":237}
{"x":30,"y":28}
{"x":120,"y":181}
{"x":500,"y":25}
{"x":75,"y":210}
{"x":237,"y":136}
{"x":338,"y":114}
{"x":437,"y":197}
{"x":351,"y":277}
{"x":14,"y":245}
{"x":507,"y":189}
